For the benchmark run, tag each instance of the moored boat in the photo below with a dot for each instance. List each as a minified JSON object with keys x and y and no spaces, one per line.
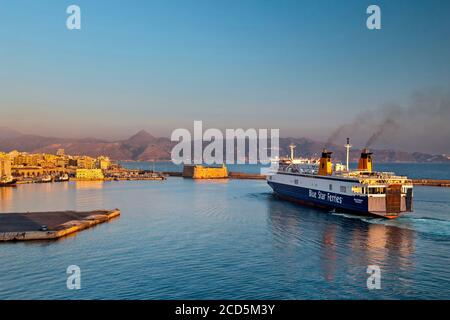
{"x":45,"y":179}
{"x":7,"y":181}
{"x":62,"y":178}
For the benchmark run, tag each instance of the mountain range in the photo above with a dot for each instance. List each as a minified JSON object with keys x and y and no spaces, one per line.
{"x":145,"y":147}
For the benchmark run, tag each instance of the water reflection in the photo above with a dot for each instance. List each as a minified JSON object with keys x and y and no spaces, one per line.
{"x":384,"y":242}
{"x":6,"y":196}
{"x":342,"y":241}
{"x":89,"y":195}
{"x":329,"y":252}
{"x":88,"y":185}
{"x":210,"y":181}
{"x":202,"y":203}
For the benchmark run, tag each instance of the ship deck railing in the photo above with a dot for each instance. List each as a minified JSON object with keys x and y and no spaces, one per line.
{"x":381,"y":178}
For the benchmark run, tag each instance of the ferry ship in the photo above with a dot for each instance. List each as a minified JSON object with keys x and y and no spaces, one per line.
{"x":337,"y":188}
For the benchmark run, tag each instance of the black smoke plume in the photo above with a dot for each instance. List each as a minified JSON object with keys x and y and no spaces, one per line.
{"x":421,"y":125}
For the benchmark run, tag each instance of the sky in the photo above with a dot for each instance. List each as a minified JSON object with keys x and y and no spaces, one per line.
{"x":305,"y":67}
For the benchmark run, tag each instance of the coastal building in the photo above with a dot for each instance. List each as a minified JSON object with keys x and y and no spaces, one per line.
{"x":13,"y":154}
{"x":49,"y":160}
{"x":89,"y":174}
{"x":26,"y":159}
{"x":38,"y":171}
{"x":103,"y":163}
{"x":39,"y":159}
{"x":27,"y":171}
{"x":72,"y":162}
{"x":5,"y":165}
{"x":86,"y":162}
{"x":61,"y":162}
{"x":205,"y":172}
{"x":23,"y":165}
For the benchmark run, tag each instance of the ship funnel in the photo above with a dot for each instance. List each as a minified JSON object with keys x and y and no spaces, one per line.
{"x":365,"y":162}
{"x":325,"y":166}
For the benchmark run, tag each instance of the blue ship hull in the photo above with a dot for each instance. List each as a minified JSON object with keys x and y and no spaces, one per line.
{"x":322,"y":199}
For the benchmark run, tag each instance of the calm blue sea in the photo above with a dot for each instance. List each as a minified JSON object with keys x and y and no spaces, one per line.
{"x":185,"y":239}
{"x":412,"y":170}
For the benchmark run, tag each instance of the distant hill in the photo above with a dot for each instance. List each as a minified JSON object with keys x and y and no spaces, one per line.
{"x":143,"y":146}
{"x":28,"y":142}
{"x":7,"y":133}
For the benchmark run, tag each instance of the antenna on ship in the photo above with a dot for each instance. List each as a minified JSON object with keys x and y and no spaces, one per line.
{"x":292,"y":147}
{"x":347,"y":147}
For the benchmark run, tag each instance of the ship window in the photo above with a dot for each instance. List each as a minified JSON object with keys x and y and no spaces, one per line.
{"x":330,"y":187}
{"x":343,"y":189}
{"x":296,"y":181}
{"x":377,"y":190}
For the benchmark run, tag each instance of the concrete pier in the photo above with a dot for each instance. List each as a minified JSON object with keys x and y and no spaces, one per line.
{"x":29,"y":226}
